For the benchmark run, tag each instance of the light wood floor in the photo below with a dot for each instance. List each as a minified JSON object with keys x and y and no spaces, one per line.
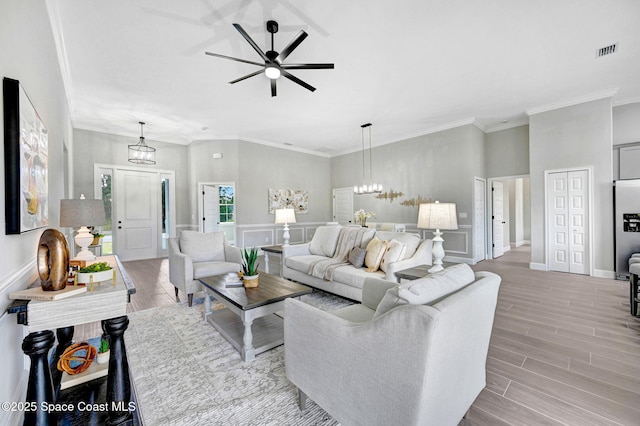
{"x":564,"y":348}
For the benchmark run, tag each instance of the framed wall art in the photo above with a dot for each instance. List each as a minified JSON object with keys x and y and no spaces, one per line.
{"x":289,"y":198}
{"x":25,"y":162}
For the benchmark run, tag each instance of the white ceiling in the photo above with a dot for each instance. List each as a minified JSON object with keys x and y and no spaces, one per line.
{"x":407,"y":66}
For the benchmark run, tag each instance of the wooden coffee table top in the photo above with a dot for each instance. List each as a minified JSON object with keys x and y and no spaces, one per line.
{"x":270,"y":289}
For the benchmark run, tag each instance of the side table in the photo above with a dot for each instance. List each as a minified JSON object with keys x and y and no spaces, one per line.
{"x":418,"y":271}
{"x":277,"y":250}
{"x":107,"y":303}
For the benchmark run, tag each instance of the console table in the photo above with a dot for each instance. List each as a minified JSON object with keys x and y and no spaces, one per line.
{"x":277,"y":250}
{"x":418,"y":271}
{"x":107,"y":303}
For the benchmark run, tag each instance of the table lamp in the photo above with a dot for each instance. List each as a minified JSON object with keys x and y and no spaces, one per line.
{"x":285,"y":216}
{"x":81,"y":213}
{"x":437,"y":216}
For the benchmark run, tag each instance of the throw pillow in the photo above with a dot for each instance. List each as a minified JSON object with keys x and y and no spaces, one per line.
{"x":324,"y":240}
{"x":202,"y":247}
{"x":388,"y":302}
{"x":375,"y":251}
{"x":395,"y":252}
{"x":367,"y":237}
{"x":434,"y":287}
{"x":356,"y":257}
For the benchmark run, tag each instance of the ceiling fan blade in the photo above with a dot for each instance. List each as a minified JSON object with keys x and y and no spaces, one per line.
{"x":273,"y":87}
{"x":291,"y":46}
{"x":298,"y":81}
{"x":246,"y":76}
{"x":307,"y":66}
{"x":234,"y":59}
{"x":251,"y":42}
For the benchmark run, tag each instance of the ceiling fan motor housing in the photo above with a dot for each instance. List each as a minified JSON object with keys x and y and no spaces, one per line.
{"x":272,"y":27}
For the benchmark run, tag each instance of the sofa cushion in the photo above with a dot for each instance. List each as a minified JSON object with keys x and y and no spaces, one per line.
{"x":389,"y":301}
{"x":433,"y":287}
{"x":367,"y":237}
{"x":356,"y":257}
{"x":324,"y":240}
{"x":202,"y":247}
{"x":207,"y":269}
{"x":411,"y":240}
{"x":302,"y":263}
{"x":375,"y":251}
{"x":353,"y":277}
{"x":395,"y":252}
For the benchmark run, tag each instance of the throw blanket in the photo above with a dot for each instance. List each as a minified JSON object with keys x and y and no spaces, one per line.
{"x":347,"y":240}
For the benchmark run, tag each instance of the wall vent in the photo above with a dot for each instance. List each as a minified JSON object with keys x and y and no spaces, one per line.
{"x":608,"y":50}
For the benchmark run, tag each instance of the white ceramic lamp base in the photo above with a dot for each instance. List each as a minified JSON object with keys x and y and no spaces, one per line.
{"x":83,"y":239}
{"x":286,"y":235}
{"x":437,"y":251}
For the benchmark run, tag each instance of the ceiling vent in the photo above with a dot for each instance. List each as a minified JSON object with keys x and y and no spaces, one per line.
{"x":608,"y":50}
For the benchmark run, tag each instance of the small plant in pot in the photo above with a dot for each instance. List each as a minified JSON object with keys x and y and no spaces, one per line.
{"x":250,"y":267}
{"x":103,"y":351}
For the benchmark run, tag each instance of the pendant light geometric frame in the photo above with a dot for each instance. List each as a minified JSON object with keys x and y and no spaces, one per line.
{"x":141,"y":153}
{"x":371,"y":187}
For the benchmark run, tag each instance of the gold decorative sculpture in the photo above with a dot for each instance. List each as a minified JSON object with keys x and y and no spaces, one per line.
{"x":415,"y":202}
{"x":53,"y":260}
{"x":390,"y":195}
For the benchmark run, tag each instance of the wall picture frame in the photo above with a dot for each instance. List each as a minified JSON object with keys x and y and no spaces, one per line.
{"x":296,"y":199}
{"x":26,"y":158}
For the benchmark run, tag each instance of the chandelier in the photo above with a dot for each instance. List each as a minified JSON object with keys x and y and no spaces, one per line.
{"x":367,"y":187}
{"x":141,"y":153}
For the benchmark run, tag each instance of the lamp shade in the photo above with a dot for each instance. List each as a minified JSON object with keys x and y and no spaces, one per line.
{"x":437,"y":216}
{"x":285,"y":216}
{"x":81,"y":212}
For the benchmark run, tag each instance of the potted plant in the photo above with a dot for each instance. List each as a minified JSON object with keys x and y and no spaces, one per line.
{"x":250,"y":267}
{"x":97,"y":238}
{"x":362,"y":216}
{"x":102,"y":356}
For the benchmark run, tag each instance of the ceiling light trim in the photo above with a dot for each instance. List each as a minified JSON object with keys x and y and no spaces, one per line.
{"x":573,"y":101}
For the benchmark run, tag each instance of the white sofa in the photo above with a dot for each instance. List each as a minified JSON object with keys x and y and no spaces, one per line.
{"x":348,"y":280}
{"x":395,"y":361}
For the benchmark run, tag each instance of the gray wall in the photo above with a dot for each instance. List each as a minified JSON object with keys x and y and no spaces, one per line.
{"x":508,"y":152}
{"x":626,"y":131}
{"x":28,"y":55}
{"x":440,"y":166}
{"x":105,"y":148}
{"x":576,"y":136}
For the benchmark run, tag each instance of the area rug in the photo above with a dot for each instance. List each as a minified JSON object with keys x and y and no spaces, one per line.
{"x":185,"y":373}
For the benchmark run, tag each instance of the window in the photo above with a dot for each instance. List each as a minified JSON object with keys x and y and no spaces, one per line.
{"x":227,"y":201}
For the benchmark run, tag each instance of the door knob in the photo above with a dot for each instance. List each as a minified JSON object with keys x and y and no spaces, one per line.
{"x":119,"y":227}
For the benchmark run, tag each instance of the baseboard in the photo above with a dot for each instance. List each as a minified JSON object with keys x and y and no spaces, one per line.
{"x":506,"y":248}
{"x":522,"y":243}
{"x":601,"y":273}
{"x":456,"y":259}
{"x":537,"y":266}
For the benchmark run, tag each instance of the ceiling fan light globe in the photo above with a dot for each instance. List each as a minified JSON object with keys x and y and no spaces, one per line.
{"x":272,"y":72}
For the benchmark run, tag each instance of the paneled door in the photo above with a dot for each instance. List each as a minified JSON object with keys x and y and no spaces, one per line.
{"x":210,"y":208}
{"x":568,"y":220}
{"x":497,"y":194}
{"x":343,"y":205}
{"x":479,"y":220}
{"x":137,"y":214}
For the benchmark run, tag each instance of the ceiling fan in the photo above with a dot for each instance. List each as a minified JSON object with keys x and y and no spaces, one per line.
{"x":273,"y":67}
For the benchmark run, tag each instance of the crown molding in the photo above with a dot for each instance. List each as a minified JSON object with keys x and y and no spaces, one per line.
{"x":572,"y":101}
{"x":627,"y":102}
{"x":165,"y":139}
{"x":63,"y":61}
{"x":510,"y":125}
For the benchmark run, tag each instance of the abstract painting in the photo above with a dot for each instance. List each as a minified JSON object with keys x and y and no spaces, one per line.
{"x":25,"y":161}
{"x":296,"y":199}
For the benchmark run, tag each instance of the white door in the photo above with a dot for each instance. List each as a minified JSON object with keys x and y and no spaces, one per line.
{"x":567,"y":216}
{"x":479,"y":220}
{"x":343,"y":205}
{"x":498,"y":218}
{"x":210,"y":208}
{"x":137,"y":211}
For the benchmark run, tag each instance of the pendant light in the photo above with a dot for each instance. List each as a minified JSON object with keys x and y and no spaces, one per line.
{"x":370,"y":187}
{"x":141,"y":153}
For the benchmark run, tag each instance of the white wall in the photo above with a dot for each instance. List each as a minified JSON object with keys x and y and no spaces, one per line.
{"x":28,"y":55}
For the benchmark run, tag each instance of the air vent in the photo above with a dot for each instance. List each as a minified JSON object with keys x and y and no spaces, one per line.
{"x":608,"y":50}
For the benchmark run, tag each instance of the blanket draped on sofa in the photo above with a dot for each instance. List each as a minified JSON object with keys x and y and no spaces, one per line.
{"x":347,"y":240}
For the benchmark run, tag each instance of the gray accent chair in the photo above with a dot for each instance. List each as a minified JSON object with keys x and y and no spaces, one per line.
{"x":196,"y":255}
{"x":389,"y":362}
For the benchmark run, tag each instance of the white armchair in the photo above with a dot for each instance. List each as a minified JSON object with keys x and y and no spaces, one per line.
{"x":196,"y":255}
{"x":389,"y":362}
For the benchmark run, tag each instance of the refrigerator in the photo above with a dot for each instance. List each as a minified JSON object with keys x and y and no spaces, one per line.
{"x":626,"y":200}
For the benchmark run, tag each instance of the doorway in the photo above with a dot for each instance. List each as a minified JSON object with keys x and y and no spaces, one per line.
{"x":217,"y":208}
{"x":343,"y":205}
{"x":515,"y":213}
{"x":139,"y":208}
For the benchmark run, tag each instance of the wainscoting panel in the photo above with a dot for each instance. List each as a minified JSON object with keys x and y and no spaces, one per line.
{"x":296,"y":235}
{"x":260,"y":235}
{"x":256,"y":237}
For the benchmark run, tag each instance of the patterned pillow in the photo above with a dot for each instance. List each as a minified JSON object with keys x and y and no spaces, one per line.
{"x":395,"y":252}
{"x":375,"y":251}
{"x":356,"y":257}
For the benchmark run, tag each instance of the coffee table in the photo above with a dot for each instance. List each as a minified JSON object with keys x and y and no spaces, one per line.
{"x":248,"y":320}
